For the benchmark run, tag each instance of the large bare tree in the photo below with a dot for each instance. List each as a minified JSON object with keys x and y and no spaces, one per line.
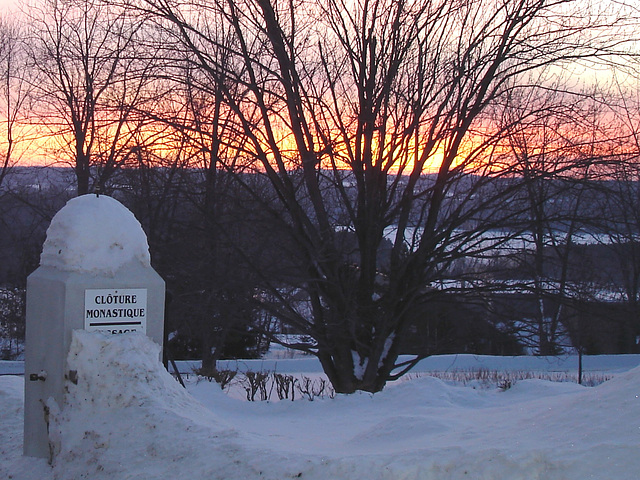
{"x":370,"y":121}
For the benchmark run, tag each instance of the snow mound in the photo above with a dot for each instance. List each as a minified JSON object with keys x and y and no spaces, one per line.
{"x":115,"y":372}
{"x":126,"y":418}
{"x":12,"y":464}
{"x":94,"y":234}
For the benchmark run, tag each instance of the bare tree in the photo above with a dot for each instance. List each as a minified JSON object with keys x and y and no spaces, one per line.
{"x":347,"y":108}
{"x":14,"y":93}
{"x":91,"y":75}
{"x":619,"y":228}
{"x":557,"y":149}
{"x":211,"y":285}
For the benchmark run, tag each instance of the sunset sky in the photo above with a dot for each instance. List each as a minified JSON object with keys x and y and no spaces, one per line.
{"x":578,"y":76}
{"x":6,"y":5}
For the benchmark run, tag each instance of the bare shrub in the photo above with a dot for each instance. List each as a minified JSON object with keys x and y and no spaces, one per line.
{"x":312,"y":389}
{"x":222,"y":377}
{"x":254,"y":382}
{"x":285,"y":386}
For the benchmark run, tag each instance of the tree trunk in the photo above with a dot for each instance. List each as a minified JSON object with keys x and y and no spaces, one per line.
{"x":208,"y":360}
{"x":82,"y":176}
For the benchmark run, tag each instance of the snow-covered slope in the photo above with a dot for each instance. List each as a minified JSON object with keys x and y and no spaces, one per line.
{"x":126,"y":418}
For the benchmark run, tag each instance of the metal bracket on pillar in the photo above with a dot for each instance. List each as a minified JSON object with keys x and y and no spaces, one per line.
{"x":35,"y":377}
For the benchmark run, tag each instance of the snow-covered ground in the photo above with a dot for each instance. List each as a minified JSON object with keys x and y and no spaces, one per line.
{"x":128,"y":419}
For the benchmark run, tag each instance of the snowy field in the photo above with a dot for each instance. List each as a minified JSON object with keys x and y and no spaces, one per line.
{"x":128,"y":419}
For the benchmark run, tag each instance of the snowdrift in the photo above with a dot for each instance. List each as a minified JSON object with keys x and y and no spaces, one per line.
{"x":127,"y":418}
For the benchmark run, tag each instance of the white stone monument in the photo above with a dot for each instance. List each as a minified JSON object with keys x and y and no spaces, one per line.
{"x":95,"y":274}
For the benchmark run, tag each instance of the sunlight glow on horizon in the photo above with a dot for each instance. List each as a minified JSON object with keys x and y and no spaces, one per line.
{"x":37,"y":150}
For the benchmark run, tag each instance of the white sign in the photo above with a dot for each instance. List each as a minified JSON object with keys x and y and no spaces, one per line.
{"x":115,"y":310}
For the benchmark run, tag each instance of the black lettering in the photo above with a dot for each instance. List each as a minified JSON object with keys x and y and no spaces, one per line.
{"x":116,"y":331}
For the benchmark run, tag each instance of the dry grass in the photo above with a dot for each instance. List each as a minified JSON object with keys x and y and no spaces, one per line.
{"x":485,"y":378}
{"x":269,"y":386}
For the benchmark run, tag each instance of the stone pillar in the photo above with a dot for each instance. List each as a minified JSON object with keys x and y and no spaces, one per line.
{"x":95,"y":274}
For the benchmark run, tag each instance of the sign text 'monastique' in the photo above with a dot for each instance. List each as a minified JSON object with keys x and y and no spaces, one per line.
{"x":116,"y":310}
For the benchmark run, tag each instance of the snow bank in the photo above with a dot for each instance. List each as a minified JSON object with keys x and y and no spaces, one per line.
{"x":12,"y":464}
{"x":126,"y":418}
{"x":94,"y":234}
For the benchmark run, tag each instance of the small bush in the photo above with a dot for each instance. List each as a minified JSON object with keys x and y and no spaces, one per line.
{"x":222,"y":377}
{"x":505,"y":385}
{"x":285,"y":386}
{"x":312,"y":389}
{"x":254,"y":382}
